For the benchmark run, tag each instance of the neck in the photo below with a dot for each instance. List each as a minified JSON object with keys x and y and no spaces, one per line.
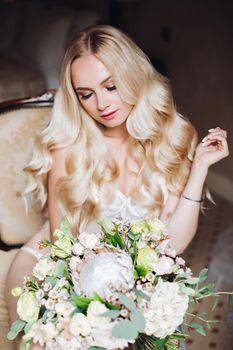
{"x":120,"y":132}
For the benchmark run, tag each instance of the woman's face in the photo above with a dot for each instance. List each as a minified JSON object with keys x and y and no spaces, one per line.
{"x":97,"y":93}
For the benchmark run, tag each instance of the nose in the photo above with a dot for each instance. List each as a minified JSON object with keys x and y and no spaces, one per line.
{"x":102,"y":101}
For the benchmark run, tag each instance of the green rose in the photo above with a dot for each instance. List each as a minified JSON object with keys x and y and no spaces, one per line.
{"x":17,"y":291}
{"x":147,"y":257}
{"x":27,"y":308}
{"x":61,"y":248}
{"x":156,"y":226}
{"x":139,"y":227}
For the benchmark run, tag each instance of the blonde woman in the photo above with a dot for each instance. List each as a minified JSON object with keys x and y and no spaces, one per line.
{"x":116,"y":146}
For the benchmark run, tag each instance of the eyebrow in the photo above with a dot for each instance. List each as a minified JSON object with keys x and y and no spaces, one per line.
{"x":87,"y":88}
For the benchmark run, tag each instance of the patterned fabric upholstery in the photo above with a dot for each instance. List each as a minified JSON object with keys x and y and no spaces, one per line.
{"x":18,"y":129}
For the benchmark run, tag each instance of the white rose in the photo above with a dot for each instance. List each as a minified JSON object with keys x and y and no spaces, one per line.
{"x":88,"y":240}
{"x":163,"y":266}
{"x":78,"y":249}
{"x":64,"y":308}
{"x":79,"y":324}
{"x":103,"y":338}
{"x":94,"y":312}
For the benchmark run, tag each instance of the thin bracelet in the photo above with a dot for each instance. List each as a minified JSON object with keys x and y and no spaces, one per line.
{"x":193,"y":200}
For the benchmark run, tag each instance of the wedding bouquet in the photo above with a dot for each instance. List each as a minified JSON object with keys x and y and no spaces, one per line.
{"x":121,"y":287}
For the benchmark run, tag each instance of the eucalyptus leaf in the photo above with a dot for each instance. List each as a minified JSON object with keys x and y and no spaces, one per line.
{"x":138,"y":320}
{"x":16,"y":327}
{"x":51,"y":279}
{"x":28,"y":327}
{"x":111,"y":313}
{"x":60,"y":269}
{"x":96,"y":348}
{"x":127,"y":302}
{"x":124,"y":330}
{"x":203,"y":275}
{"x":192,"y":281}
{"x":187,"y":290}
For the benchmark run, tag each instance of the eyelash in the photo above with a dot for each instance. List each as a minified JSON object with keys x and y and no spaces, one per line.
{"x":109,"y":88}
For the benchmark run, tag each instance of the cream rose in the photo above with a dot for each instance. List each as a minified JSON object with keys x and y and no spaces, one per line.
{"x":94,"y":314}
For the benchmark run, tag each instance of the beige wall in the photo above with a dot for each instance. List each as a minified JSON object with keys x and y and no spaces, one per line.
{"x":199,"y":58}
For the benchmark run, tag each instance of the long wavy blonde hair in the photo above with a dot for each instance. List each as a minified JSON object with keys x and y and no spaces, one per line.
{"x":160,"y":140}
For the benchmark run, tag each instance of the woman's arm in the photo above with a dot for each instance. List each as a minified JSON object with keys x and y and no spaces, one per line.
{"x":58,"y":170}
{"x":184,"y":212}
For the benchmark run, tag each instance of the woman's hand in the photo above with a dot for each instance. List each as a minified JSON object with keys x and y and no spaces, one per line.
{"x":212,"y":148}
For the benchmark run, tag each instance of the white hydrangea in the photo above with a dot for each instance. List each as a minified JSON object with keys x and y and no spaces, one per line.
{"x":64,"y":308}
{"x":44,"y":267}
{"x":166,"y":309}
{"x":78,"y":249}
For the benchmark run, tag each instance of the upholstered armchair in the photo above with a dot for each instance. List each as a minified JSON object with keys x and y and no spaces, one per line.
{"x":20,"y":122}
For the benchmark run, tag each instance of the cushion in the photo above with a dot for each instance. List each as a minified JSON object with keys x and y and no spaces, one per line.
{"x":17,"y":132}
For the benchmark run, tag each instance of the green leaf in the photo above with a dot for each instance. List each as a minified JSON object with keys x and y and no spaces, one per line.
{"x":112,"y":306}
{"x":199,"y":329}
{"x":141,"y":270}
{"x":138,"y":320}
{"x":16,"y":327}
{"x":120,"y":241}
{"x":111,"y":313}
{"x":98,"y":297}
{"x":160,"y":343}
{"x":127,"y":302}
{"x":214,"y":304}
{"x":96,"y":348}
{"x":111,"y":239}
{"x":203,"y":275}
{"x":81,"y":302}
{"x":124,"y":330}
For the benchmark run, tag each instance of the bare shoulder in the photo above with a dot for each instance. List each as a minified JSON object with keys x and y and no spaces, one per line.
{"x":59,"y":162}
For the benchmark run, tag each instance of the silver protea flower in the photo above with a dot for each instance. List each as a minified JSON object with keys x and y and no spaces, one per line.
{"x":107,"y":273}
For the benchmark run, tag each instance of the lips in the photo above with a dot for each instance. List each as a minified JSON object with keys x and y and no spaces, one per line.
{"x":108,"y":116}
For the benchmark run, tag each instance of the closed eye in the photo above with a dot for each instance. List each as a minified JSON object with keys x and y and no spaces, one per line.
{"x":85,"y":97}
{"x":111,"y":88}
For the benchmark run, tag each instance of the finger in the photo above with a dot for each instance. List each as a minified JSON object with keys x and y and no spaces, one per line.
{"x":216,"y":139}
{"x":214,"y":135}
{"x":218,"y":129}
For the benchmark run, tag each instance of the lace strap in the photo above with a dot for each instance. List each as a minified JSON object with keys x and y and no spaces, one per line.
{"x":32,"y":251}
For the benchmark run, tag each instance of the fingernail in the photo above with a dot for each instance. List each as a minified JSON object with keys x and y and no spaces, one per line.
{"x":211,"y":130}
{"x":203,"y":140}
